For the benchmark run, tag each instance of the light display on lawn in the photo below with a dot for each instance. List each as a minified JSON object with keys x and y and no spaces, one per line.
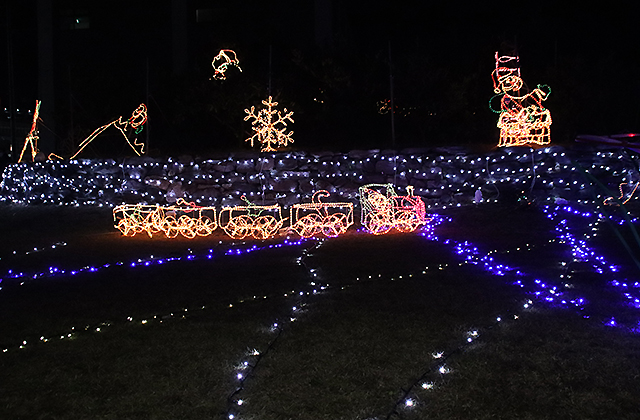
{"x":270,"y":126}
{"x":221,"y":63}
{"x":316,"y":218}
{"x":382,"y":212}
{"x":184,"y":219}
{"x":129,"y":128}
{"x":32,"y":138}
{"x":523,"y":120}
{"x":624,"y":196}
{"x":260,"y":222}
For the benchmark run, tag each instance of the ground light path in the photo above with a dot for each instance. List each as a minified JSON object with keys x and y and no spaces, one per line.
{"x":544,"y":291}
{"x":300,"y":303}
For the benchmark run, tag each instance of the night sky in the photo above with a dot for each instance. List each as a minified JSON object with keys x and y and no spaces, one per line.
{"x":332,"y":75}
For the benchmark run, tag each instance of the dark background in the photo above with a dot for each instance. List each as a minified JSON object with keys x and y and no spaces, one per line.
{"x":328,"y":61}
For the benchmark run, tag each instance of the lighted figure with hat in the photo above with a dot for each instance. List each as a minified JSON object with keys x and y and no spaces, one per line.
{"x":523,"y":120}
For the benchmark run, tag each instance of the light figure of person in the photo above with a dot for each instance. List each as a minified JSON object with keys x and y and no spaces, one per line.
{"x":523,"y":119}
{"x":135,"y":123}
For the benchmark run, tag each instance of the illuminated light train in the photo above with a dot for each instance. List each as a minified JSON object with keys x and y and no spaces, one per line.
{"x":381,"y":212}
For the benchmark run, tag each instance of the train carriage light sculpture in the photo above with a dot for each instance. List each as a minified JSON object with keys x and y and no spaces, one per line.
{"x":382,"y":209}
{"x":184,"y":219}
{"x":260,"y":222}
{"x":316,"y":218}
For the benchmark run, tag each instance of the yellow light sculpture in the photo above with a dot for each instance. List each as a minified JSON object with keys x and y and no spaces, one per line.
{"x":269,"y":131}
{"x":382,"y":212}
{"x":610,"y":201}
{"x":184,"y":219}
{"x":523,"y":120}
{"x":330,"y":219}
{"x":135,"y":123}
{"x":221,"y":63}
{"x":32,"y":137}
{"x":261,"y":222}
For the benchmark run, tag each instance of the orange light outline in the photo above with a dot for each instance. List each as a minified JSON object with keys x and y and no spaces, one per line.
{"x":321,"y":221}
{"x":251,"y":221}
{"x":382,"y":212}
{"x":184,"y":219}
{"x":32,"y":137}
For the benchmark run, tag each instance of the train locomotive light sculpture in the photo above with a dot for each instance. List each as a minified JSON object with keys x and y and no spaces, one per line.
{"x":382,"y":212}
{"x":315,"y":218}
{"x":184,"y":219}
{"x":523,"y":120}
{"x":261,"y":222}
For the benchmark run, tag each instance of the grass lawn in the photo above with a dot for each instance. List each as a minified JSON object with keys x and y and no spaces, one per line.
{"x":371,"y":316}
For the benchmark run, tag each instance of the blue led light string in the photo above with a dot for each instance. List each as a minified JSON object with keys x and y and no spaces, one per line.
{"x":233,"y":251}
{"x":582,"y":252}
{"x":146,"y":262}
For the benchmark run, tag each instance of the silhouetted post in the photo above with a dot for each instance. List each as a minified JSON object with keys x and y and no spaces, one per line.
{"x":393,"y":109}
{"x":12,"y":107}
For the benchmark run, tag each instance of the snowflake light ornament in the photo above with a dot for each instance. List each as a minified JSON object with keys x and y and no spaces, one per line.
{"x":269,"y":125}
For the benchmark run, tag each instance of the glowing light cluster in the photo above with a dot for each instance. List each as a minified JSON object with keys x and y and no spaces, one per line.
{"x":133,"y":125}
{"x":624,"y":196}
{"x":270,"y":126}
{"x":330,"y":219}
{"x":523,"y":120}
{"x":260,"y":222}
{"x":221,"y":63}
{"x":383,"y":212}
{"x":32,"y":137}
{"x":184,"y":219}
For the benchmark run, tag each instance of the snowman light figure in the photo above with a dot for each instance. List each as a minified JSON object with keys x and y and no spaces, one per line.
{"x":523,"y":120}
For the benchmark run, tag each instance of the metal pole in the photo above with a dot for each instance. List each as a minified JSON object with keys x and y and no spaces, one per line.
{"x":147,"y":103}
{"x":393,"y":109}
{"x":270,"y":54}
{"x":12,"y":106}
{"x":72,"y":146}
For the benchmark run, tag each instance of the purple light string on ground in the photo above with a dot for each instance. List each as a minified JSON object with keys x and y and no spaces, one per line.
{"x":582,"y":252}
{"x":146,"y":262}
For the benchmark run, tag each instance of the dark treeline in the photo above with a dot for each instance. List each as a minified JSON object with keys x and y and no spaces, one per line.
{"x":330,"y":63}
